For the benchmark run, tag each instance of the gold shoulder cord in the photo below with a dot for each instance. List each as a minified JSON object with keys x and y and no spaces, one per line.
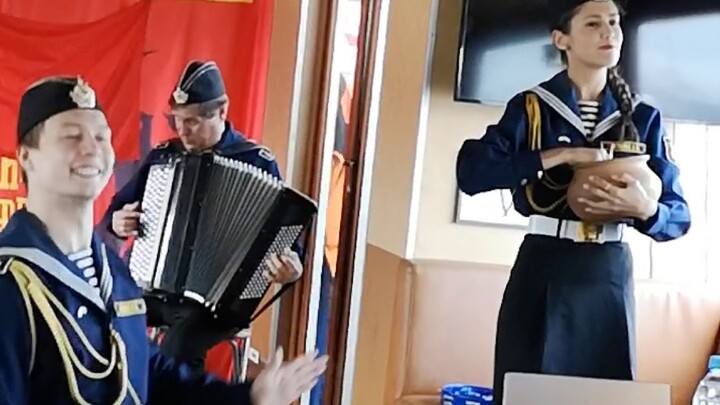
{"x":31,"y":319}
{"x":34,"y":291}
{"x":532,"y":107}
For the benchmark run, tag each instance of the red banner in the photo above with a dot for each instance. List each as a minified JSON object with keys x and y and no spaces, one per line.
{"x":131,"y":52}
{"x":236,"y":34}
{"x":107,"y":53}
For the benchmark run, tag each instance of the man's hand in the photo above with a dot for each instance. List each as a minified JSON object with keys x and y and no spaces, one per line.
{"x":126,"y":221}
{"x":284,"y":268}
{"x":282,"y":383}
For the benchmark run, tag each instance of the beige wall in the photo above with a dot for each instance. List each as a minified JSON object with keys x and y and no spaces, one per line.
{"x":283,"y":44}
{"x":288,"y":107}
{"x":418,"y":139}
{"x":413,"y":193}
{"x":413,"y":185}
{"x":420,"y":130}
{"x":402,"y":91}
{"x":276,"y":129}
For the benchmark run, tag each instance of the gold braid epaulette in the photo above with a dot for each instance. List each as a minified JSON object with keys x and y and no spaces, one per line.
{"x":34,"y":291}
{"x":532,"y":106}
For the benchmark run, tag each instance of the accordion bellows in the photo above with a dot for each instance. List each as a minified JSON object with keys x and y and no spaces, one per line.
{"x":210,"y":224}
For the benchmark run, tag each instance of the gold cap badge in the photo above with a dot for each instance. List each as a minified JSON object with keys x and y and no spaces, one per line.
{"x":83,"y":95}
{"x":180,"y":96}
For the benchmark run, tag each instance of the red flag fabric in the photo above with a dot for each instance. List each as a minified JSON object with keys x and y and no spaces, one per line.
{"x":236,"y":34}
{"x":63,"y":11}
{"x":107,"y":53}
{"x":131,"y":52}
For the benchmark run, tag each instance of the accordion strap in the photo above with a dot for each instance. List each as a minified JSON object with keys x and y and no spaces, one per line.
{"x":267,"y":305}
{"x":242,"y":147}
{"x":176,"y":146}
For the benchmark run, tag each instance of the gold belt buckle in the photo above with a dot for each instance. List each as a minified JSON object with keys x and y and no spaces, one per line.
{"x":589,"y":232}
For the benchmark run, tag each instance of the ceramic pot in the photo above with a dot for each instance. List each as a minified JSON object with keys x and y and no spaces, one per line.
{"x":636,"y":166}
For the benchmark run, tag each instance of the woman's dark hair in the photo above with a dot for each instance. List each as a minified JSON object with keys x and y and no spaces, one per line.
{"x":625,"y":130}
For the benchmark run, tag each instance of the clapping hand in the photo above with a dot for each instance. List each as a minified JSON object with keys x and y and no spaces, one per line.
{"x":282,"y":383}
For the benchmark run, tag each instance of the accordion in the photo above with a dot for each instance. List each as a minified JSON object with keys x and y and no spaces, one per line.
{"x":208,"y":228}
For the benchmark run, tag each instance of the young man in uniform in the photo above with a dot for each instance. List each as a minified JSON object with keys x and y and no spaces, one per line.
{"x":199,"y":106}
{"x":73,"y":320}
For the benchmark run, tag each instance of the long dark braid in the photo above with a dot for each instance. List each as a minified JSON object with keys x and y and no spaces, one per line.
{"x":625,"y":130}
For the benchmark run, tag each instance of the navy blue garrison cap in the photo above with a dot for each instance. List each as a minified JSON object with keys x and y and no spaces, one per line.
{"x":52,"y":96}
{"x":557,"y":9}
{"x":199,"y":82}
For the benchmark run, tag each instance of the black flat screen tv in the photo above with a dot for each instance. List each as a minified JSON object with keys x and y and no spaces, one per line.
{"x":671,"y":53}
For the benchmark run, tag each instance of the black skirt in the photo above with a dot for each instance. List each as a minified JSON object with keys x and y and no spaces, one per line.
{"x":568,"y":309}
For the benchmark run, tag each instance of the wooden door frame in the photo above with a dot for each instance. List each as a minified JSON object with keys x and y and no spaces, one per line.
{"x":294,"y":306}
{"x":293,"y":315}
{"x":367,"y":52}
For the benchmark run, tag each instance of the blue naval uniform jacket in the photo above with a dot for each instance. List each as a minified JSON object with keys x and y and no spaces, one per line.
{"x":502,"y":159}
{"x":31,"y":368}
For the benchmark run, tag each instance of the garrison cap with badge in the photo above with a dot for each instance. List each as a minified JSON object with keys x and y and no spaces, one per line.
{"x":199,"y":82}
{"x":51,"y":96}
{"x":202,"y":81}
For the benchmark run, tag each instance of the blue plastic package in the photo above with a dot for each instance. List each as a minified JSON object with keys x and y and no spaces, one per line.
{"x":465,"y":394}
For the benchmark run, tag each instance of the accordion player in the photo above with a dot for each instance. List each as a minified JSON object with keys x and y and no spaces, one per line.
{"x":209,"y":225}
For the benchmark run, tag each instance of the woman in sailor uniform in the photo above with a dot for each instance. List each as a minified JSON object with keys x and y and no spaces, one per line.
{"x":568,"y":307}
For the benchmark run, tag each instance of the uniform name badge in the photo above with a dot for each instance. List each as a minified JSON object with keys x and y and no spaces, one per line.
{"x":130,"y":307}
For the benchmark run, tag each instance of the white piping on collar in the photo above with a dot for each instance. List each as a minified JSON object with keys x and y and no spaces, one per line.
{"x":58,"y":270}
{"x":561,"y":108}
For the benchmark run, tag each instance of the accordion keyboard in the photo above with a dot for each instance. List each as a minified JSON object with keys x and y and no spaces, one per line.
{"x":258,"y":285}
{"x":154,"y":207}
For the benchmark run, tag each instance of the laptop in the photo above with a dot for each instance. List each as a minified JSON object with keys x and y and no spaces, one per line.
{"x":536,"y":389}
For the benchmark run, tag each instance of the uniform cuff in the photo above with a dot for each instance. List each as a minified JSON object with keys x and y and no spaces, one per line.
{"x":654,"y":223}
{"x":528,"y":164}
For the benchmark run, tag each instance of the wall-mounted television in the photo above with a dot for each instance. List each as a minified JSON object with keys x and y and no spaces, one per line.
{"x":671,"y":53}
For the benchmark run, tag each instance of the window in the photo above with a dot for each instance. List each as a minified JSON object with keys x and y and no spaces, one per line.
{"x":694,"y":258}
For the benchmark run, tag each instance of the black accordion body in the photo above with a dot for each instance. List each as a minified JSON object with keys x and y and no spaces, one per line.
{"x":209,"y":225}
